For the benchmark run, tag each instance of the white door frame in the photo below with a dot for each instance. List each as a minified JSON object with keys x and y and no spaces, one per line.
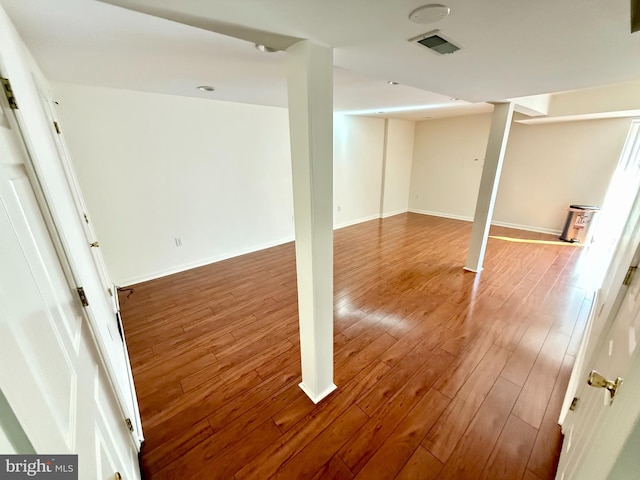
{"x":611,"y":290}
{"x":32,"y":127}
{"x":613,"y":426}
{"x":110,"y":289}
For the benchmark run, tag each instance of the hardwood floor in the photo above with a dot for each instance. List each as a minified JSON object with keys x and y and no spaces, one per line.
{"x":440,"y":373}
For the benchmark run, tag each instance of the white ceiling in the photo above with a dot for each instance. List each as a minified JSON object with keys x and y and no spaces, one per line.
{"x":510,"y":48}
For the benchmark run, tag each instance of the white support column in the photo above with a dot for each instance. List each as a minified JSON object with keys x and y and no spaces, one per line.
{"x":496,"y":146}
{"x":311,"y":129}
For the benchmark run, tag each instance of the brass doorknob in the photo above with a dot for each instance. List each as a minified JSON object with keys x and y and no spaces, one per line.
{"x":597,"y":380}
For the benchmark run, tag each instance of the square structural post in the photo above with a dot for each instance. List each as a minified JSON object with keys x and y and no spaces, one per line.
{"x":310,"y":85}
{"x":496,"y":147}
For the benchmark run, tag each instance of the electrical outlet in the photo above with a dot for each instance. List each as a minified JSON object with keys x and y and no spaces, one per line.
{"x":178,"y":242}
{"x":339,"y":208}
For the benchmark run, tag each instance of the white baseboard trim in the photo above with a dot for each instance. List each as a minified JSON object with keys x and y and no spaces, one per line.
{"x":127,"y":282}
{"x":218,"y":258}
{"x":355,"y":222}
{"x":528,"y":228}
{"x":315,"y":398}
{"x":201,"y":263}
{"x":391,"y":214}
{"x":443,"y":215}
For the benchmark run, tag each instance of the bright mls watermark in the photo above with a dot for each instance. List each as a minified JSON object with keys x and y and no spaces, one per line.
{"x":39,"y":467}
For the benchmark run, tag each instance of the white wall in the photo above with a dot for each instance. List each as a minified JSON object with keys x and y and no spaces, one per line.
{"x":398,"y":158}
{"x":447,"y":165}
{"x":358,"y":150}
{"x":155,"y":167}
{"x":215,"y":174}
{"x":547,"y":167}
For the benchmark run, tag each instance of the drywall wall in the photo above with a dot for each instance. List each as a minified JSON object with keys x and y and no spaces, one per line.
{"x":156,"y":168}
{"x":398,"y":158}
{"x":358,"y":150}
{"x":547,"y":167}
{"x":447,"y":165}
{"x":216,"y":175}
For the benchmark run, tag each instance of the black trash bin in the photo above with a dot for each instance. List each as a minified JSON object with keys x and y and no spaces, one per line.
{"x":580,"y":219}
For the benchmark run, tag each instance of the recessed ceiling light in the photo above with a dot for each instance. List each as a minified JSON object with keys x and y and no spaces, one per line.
{"x":391,"y":82}
{"x":429,"y":14}
{"x":453,"y":98}
{"x":265,"y":49}
{"x":206,"y":88}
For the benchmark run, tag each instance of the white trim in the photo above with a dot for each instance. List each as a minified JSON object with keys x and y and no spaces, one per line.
{"x":443,"y":215}
{"x":316,"y":398}
{"x":256,"y":248}
{"x":472,"y":270}
{"x":391,"y":214}
{"x":356,"y":221}
{"x":201,"y":263}
{"x":127,"y":282}
{"x":528,"y":228}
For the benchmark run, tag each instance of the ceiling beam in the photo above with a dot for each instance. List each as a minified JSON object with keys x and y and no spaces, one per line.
{"x":262,"y":37}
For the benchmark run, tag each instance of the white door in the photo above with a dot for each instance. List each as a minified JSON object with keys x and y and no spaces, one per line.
{"x":51,"y":374}
{"x":48,"y":106}
{"x":596,"y":431}
{"x":102,"y":293}
{"x":610,"y":255}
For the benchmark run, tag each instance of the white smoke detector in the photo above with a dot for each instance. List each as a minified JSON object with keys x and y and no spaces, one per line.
{"x":429,"y":14}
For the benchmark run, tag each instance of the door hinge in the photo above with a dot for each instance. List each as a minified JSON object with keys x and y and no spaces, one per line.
{"x":8,"y":91}
{"x":129,"y":424}
{"x":86,"y":218}
{"x":57,"y":127}
{"x":574,"y":404}
{"x":94,"y":244}
{"x":83,"y":297}
{"x":628,"y":278}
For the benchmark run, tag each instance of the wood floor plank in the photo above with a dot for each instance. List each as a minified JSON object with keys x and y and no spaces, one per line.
{"x":197,"y":463}
{"x":350,"y":368}
{"x":546,"y":451}
{"x":216,"y":356}
{"x":524,"y":356}
{"x":403,"y":441}
{"x":334,"y":469}
{"x":421,"y":466}
{"x":394,"y":380}
{"x":376,"y":431}
{"x":475,"y":446}
{"x":277,"y":453}
{"x":530,"y":476}
{"x":160,"y":452}
{"x":509,"y":458}
{"x":456,"y":375}
{"x":312,"y":457}
{"x":537,"y":389}
{"x":444,"y":436}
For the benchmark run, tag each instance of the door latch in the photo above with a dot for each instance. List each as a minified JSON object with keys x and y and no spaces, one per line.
{"x":598,"y":380}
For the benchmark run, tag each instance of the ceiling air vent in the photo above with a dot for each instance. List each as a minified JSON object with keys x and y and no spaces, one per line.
{"x":436,"y":42}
